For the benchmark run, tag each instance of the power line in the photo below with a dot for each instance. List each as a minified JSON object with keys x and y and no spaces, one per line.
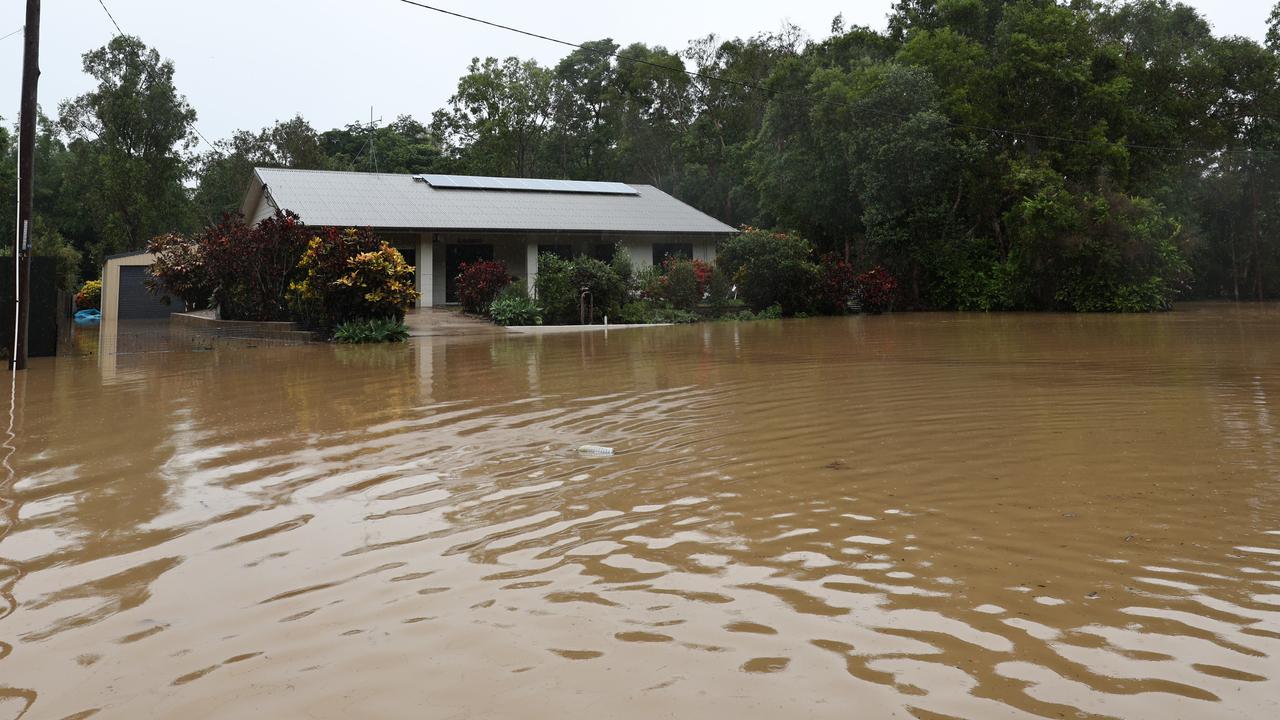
{"x":778,"y":93}
{"x":15,"y":32}
{"x":112,"y":19}
{"x":202,"y":137}
{"x":121,"y":32}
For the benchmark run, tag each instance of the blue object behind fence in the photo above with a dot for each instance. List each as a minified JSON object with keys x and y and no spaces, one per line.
{"x":88,"y":317}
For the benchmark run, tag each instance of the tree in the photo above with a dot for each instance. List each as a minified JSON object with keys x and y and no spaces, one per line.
{"x":728,"y":114}
{"x":225,"y":169}
{"x":1245,"y":183}
{"x":654,"y":113}
{"x":404,"y":146}
{"x":1273,"y":29}
{"x":584,"y":96}
{"x":129,"y":139}
{"x":498,"y":118}
{"x":8,"y":182}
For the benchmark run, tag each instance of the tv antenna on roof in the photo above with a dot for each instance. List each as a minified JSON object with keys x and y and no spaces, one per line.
{"x":373,"y":156}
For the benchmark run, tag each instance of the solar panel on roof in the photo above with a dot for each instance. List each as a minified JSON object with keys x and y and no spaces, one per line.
{"x":471,"y":182}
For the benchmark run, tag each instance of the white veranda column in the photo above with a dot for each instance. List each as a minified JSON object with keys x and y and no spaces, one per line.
{"x":424,"y":270}
{"x":531,"y":263}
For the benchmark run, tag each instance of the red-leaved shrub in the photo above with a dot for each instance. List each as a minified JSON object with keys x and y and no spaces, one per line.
{"x":251,"y":267}
{"x":179,"y":271}
{"x":480,"y":282}
{"x":836,"y":282}
{"x":875,"y":288}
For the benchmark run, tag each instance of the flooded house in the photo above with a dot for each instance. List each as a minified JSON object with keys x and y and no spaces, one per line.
{"x":441,"y":221}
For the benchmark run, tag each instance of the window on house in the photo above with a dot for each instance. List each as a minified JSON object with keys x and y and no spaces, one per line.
{"x":661,"y":251}
{"x":602,"y":251}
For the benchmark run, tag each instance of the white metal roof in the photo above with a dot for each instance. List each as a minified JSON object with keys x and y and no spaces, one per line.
{"x":382,"y":200}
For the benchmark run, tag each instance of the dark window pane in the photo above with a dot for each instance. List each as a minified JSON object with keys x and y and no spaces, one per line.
{"x":661,"y":251}
{"x":560,"y":251}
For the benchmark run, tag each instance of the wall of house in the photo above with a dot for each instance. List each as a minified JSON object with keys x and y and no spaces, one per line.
{"x":641,"y":247}
{"x":519,"y":252}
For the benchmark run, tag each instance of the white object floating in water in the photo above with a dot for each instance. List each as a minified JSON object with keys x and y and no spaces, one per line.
{"x":595,"y":450}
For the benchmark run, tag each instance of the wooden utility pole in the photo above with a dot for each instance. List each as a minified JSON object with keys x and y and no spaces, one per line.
{"x":26,"y":176}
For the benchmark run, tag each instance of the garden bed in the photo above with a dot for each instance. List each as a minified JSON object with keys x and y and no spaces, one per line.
{"x":204,"y":322}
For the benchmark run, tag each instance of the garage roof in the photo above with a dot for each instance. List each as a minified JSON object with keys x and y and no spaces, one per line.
{"x":383,"y":200}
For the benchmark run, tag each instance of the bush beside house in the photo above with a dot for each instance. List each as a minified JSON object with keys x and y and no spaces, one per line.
{"x":350,"y":283}
{"x":479,"y":283}
{"x":280,"y":269}
{"x":316,"y":298}
{"x":179,"y":271}
{"x":771,"y":268}
{"x":761,"y":275}
{"x":513,"y":306}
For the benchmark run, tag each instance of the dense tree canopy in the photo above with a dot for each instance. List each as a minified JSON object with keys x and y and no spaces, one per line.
{"x":1081,"y":155}
{"x":127,"y":140}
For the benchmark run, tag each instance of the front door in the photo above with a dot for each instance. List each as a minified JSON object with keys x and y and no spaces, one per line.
{"x":454,"y":256}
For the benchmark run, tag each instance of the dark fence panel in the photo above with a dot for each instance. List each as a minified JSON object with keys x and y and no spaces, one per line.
{"x":42,"y":327}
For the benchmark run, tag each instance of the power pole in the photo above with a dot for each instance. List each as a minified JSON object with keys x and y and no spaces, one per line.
{"x":26,"y":176}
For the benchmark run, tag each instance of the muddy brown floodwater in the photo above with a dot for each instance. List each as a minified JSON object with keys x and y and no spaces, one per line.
{"x":930,"y":516}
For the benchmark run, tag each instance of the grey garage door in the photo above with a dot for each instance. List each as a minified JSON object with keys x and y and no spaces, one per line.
{"x":135,"y":302}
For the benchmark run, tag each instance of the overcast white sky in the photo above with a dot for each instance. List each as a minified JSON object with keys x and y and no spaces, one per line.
{"x":246,"y":63}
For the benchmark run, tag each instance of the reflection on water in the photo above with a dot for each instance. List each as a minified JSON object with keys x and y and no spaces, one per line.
{"x":917,"y":515}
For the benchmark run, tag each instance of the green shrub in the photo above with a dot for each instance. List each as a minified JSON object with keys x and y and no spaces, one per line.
{"x":1096,"y":251}
{"x":621,"y":265}
{"x":649,"y":283}
{"x":673,"y":315}
{"x":719,"y":289}
{"x":681,"y":288}
{"x":554,"y":290}
{"x":637,"y":312}
{"x":607,"y":289}
{"x":48,"y":242}
{"x":377,"y":330}
{"x":559,"y":286}
{"x":513,"y":306}
{"x":648,"y":312}
{"x":771,"y":268}
{"x":773,"y":312}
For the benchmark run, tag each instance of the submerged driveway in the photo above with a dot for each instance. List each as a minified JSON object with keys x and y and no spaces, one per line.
{"x":433,"y":322}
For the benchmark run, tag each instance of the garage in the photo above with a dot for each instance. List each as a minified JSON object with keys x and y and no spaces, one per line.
{"x":124,"y":290}
{"x":136,"y":302}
